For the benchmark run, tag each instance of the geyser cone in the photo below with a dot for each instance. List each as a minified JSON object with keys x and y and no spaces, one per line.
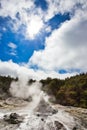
{"x":45,"y":108}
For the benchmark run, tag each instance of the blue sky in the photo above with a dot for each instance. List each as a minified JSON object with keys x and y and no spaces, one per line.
{"x":44,"y":35}
{"x":25,"y":45}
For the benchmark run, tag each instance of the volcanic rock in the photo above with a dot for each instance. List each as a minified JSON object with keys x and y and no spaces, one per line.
{"x":13,"y":118}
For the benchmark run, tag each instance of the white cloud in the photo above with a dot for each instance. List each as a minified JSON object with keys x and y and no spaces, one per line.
{"x":28,"y":16}
{"x":11,"y":8}
{"x":34,"y":26}
{"x":13,"y":53}
{"x":25,"y":13}
{"x":66,"y":47}
{"x":12,"y":45}
{"x":12,"y":69}
{"x":13,"y":48}
{"x":58,"y":6}
{"x":4,"y":29}
{"x":63,"y":6}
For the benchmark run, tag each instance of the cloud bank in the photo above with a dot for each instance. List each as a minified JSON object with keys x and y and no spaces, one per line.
{"x":65,"y":48}
{"x":12,"y":69}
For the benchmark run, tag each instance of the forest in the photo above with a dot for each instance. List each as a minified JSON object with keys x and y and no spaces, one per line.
{"x":69,"y":92}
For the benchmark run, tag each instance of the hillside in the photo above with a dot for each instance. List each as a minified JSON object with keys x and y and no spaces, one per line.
{"x":71,"y":91}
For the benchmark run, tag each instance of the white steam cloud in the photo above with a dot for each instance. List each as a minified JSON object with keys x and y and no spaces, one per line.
{"x":32,"y":92}
{"x":22,"y":89}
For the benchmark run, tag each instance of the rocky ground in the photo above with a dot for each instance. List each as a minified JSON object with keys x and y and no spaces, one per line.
{"x":79,"y":114}
{"x":12,"y":103}
{"x":15,"y":114}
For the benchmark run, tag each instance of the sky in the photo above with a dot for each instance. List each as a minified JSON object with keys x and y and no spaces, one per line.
{"x":43,"y":38}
